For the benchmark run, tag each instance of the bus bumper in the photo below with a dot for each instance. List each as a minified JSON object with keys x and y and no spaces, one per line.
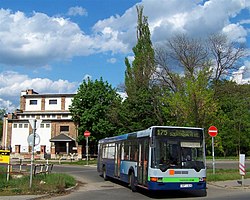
{"x":176,"y":186}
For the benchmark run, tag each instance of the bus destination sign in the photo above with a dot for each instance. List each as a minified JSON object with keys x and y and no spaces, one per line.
{"x":177,"y":133}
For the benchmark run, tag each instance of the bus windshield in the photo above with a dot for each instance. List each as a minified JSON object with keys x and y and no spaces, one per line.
{"x":177,"y":152}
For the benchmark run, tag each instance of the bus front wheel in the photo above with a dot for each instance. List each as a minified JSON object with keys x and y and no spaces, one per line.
{"x":132,"y":182}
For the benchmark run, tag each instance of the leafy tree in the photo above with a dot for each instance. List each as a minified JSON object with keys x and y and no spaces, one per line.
{"x":92,"y":109}
{"x":140,"y":109}
{"x":233,"y":117}
{"x":138,"y":76}
{"x":188,"y":99}
{"x":192,"y":104}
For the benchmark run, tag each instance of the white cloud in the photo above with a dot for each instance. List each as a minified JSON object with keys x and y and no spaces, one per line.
{"x":39,"y":39}
{"x":235,"y":32}
{"x":12,"y":83}
{"x":7,"y":105}
{"x":131,"y":59}
{"x":166,"y":18}
{"x":111,"y":60}
{"x":77,"y":10}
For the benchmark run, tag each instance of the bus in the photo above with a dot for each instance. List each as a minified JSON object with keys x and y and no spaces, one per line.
{"x":158,"y":158}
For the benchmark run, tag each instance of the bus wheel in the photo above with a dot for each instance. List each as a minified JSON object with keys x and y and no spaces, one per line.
{"x":132,"y":182}
{"x":104,"y":174}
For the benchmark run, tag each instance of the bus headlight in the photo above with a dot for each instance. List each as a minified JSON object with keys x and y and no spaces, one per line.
{"x":203,"y":179}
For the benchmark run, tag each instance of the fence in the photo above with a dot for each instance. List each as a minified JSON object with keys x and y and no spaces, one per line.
{"x":24,"y":169}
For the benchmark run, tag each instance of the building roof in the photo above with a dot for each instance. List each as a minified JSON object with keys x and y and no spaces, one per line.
{"x":62,"y":138}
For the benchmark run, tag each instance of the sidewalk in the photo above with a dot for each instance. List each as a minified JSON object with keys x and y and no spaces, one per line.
{"x":232,"y":184}
{"x":21,"y":197}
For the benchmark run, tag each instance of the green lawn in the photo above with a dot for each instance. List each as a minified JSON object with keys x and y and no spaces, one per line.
{"x":225,"y":174}
{"x":41,"y":184}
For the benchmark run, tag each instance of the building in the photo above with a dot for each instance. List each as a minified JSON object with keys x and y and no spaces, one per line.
{"x":54,"y":126}
{"x":242,"y":76}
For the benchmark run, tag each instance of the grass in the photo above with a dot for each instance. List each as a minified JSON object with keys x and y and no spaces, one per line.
{"x":225,"y":174}
{"x":41,"y":184}
{"x":81,"y":162}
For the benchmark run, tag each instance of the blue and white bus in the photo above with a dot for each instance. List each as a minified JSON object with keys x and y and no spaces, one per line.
{"x":158,"y":158}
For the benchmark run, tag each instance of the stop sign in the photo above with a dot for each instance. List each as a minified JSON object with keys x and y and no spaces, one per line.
{"x":212,"y":131}
{"x":86,"y":133}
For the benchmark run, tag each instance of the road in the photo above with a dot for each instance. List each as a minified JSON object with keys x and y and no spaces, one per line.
{"x":94,"y":187}
{"x":226,"y":164}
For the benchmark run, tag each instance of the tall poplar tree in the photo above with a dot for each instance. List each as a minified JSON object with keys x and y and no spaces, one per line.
{"x":140,"y":107}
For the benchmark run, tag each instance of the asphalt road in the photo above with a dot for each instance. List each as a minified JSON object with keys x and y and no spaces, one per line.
{"x":94,"y":187}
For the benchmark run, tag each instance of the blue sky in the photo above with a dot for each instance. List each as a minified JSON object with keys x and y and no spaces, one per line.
{"x":52,"y":45}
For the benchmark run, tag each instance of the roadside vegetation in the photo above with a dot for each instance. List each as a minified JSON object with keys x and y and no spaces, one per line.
{"x":53,"y":183}
{"x":225,"y":174}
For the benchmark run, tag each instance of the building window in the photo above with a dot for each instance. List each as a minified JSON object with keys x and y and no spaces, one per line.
{"x":53,"y":101}
{"x":14,"y":125}
{"x":53,"y":116}
{"x":64,"y":128}
{"x":33,"y":102}
{"x":25,"y":125}
{"x":41,"y":125}
{"x":20,"y":126}
{"x":47,"y":125}
{"x":65,"y":116}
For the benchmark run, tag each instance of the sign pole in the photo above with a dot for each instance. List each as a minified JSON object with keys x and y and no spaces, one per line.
{"x":213,"y":131}
{"x":32,"y":155}
{"x":213,"y":155}
{"x":87,"y":150}
{"x":87,"y":134}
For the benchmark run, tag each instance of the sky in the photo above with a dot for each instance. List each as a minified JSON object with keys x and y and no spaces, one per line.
{"x":51,"y":46}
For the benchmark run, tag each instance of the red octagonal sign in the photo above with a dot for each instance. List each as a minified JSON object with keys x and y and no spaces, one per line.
{"x":86,"y":133}
{"x":212,"y":131}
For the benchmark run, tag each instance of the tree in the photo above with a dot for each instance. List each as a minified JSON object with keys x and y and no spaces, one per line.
{"x":91,"y":109}
{"x":226,"y":54}
{"x":233,"y":117}
{"x":192,"y":104}
{"x":140,"y":109}
{"x":188,"y":99}
{"x":189,"y":53}
{"x":138,"y":76}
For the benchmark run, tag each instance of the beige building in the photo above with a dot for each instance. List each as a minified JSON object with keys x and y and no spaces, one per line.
{"x":56,"y":131}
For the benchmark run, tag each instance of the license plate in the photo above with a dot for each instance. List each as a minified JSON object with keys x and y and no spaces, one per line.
{"x":186,"y":185}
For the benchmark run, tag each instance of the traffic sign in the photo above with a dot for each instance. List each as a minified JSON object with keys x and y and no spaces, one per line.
{"x":5,"y":156}
{"x":86,"y":133}
{"x":31,"y":140}
{"x":242,"y":166}
{"x":212,"y":131}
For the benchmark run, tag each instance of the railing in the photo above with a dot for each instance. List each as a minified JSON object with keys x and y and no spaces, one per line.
{"x":44,"y":169}
{"x":24,"y":169}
